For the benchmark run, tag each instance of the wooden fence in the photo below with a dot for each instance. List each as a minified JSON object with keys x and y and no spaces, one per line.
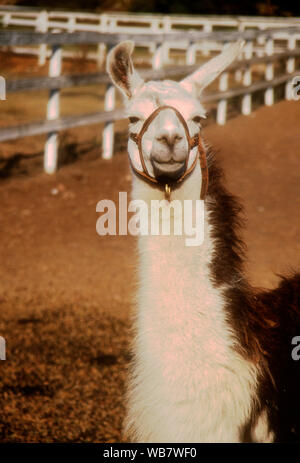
{"x":241,"y":72}
{"x":41,"y":20}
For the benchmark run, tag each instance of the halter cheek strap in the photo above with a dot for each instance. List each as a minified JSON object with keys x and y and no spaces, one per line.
{"x":192,"y":143}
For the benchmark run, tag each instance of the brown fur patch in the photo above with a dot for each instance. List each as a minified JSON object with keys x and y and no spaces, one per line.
{"x":264,"y":321}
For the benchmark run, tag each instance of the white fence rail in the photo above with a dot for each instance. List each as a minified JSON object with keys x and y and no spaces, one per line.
{"x":136,"y":22}
{"x":118,"y":23}
{"x":253,"y":72}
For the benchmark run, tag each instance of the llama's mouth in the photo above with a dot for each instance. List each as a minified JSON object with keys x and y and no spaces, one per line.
{"x":168,"y":170}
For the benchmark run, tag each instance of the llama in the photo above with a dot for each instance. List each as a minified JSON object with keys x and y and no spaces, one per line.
{"x":211,"y":356}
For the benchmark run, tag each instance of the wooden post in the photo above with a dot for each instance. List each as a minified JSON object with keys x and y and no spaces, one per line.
{"x":247,"y":79}
{"x":155,"y":28}
{"x":108,"y":131}
{"x":165,"y":47}
{"x":269,"y":73}
{"x":154,"y":25}
{"x":101,"y":54}
{"x":6,"y":19}
{"x":51,"y":146}
{"x":103,"y":21}
{"x":238,"y":73}
{"x":157,"y":59}
{"x":290,"y":67}
{"x":240,"y":25}
{"x":191,"y":54}
{"x":72,"y":24}
{"x":167,"y":25}
{"x":101,"y":47}
{"x":206,"y":28}
{"x":42,"y":26}
{"x":222,"y":105}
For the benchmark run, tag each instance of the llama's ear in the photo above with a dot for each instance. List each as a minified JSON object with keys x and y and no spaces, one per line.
{"x":201,"y":78}
{"x":120,"y":68}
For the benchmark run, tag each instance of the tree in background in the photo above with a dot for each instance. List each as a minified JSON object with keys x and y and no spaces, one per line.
{"x":246,"y":7}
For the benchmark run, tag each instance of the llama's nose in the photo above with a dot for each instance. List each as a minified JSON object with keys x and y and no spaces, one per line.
{"x":169,"y":136}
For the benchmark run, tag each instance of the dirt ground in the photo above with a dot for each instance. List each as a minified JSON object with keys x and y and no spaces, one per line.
{"x":66,"y":293}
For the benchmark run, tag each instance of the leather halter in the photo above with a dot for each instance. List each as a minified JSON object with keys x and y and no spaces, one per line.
{"x":192,"y":143}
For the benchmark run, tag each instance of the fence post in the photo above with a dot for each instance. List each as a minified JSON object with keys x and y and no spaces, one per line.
{"x":6,"y":19}
{"x":154,"y":25}
{"x":103,"y":21}
{"x":269,"y":73}
{"x":155,"y":28}
{"x":111,"y":25}
{"x":100,"y":55}
{"x":167,"y":28}
{"x":205,"y":45}
{"x":247,"y":78}
{"x":238,"y":73}
{"x":190,"y":58}
{"x":72,"y":23}
{"x":108,"y":131}
{"x":51,"y":146}
{"x":261,"y":41}
{"x":42,"y":26}
{"x":290,"y":67}
{"x":222,"y":105}
{"x":101,"y":47}
{"x":157,"y":59}
{"x":240,"y":25}
{"x":167,"y":25}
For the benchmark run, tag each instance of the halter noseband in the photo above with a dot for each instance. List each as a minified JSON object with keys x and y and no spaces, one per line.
{"x":192,"y":143}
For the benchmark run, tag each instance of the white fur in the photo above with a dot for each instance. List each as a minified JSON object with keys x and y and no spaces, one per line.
{"x":261,"y":432}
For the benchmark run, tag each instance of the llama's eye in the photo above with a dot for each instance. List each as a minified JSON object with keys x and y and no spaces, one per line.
{"x":197,"y":119}
{"x":133,"y":120}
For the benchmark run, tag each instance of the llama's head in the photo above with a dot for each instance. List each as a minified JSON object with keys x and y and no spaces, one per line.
{"x":164,"y":145}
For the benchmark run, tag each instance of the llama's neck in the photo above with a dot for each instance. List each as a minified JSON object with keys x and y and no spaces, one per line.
{"x":185,"y":349}
{"x":176,"y":292}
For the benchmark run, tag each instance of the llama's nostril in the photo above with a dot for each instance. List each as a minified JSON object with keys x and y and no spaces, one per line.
{"x":178,"y":138}
{"x":170,"y":139}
